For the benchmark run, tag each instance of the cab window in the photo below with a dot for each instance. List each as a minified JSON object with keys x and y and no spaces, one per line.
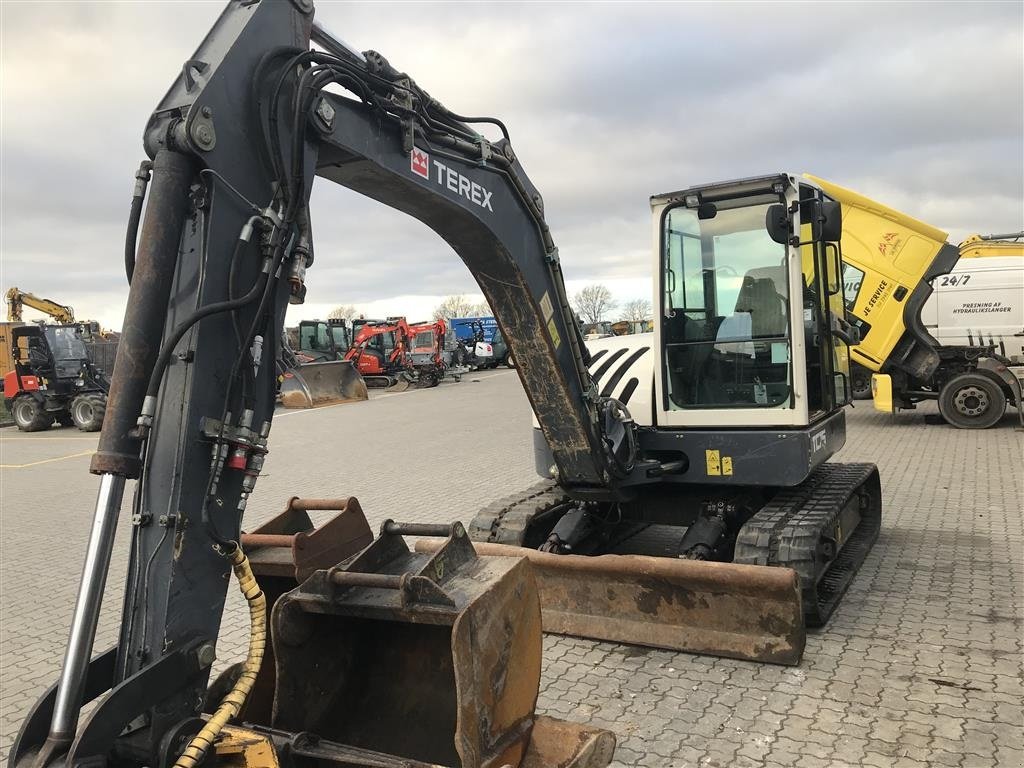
{"x":727,"y":310}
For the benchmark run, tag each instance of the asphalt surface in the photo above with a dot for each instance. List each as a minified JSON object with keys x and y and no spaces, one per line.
{"x":921,"y":665}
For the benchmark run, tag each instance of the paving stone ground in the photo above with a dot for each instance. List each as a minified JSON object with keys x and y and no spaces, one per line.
{"x":921,"y":665}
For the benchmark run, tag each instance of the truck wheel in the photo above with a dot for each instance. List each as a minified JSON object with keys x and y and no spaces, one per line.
{"x":29,"y":414}
{"x":860,"y":380}
{"x":972,"y":401}
{"x":87,"y":412}
{"x":509,"y":362}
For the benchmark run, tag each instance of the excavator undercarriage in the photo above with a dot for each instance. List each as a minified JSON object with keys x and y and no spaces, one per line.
{"x":815,"y":535}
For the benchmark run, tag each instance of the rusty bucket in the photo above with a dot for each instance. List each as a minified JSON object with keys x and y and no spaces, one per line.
{"x":429,"y":657}
{"x":720,"y":609}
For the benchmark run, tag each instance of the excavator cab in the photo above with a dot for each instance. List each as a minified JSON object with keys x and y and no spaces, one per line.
{"x":750,"y":298}
{"x":316,"y":340}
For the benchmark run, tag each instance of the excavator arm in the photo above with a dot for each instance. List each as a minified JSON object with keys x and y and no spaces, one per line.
{"x":224,"y":247}
{"x":16,"y":299}
{"x":389,"y":140}
{"x":477,"y":197}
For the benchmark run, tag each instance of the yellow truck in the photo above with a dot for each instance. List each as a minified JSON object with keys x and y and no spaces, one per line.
{"x":897,"y":271}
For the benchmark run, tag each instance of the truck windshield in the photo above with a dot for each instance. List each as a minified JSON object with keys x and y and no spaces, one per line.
{"x":66,"y":344}
{"x":726,"y":310}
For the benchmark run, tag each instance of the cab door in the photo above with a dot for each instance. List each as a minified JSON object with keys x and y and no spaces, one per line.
{"x":826,"y":347}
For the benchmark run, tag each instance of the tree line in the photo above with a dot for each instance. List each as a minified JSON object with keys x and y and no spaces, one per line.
{"x":593,"y":304}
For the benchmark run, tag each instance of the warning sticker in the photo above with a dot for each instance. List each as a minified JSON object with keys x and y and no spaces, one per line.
{"x":545,"y":306}
{"x":553,"y":333}
{"x":727,"y":465}
{"x":714,"y":462}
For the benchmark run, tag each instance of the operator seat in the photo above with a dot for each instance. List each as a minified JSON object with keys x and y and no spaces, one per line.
{"x":767,"y":308}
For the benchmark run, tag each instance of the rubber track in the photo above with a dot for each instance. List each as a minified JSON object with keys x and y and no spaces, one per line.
{"x":505,"y":521}
{"x":787,"y":532}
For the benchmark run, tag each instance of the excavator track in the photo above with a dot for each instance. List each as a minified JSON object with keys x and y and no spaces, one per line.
{"x":823,"y":529}
{"x":506,"y":520}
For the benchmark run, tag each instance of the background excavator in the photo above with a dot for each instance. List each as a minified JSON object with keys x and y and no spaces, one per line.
{"x":311,"y":367}
{"x":427,"y":356}
{"x":16,"y":298}
{"x":399,"y":658}
{"x":379,"y":352}
{"x":49,"y":374}
{"x":395,"y":354}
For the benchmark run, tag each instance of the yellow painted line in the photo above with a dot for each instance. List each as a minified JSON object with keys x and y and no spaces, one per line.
{"x":46,"y":461}
{"x":35,"y":439}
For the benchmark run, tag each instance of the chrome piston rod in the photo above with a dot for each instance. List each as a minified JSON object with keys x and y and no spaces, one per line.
{"x":87,"y":609}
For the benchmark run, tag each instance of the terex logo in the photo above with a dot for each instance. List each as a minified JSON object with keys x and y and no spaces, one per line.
{"x":419,"y":162}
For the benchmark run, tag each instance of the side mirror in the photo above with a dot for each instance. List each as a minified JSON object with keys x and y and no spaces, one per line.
{"x":707,"y":211}
{"x":777,"y":223}
{"x":831,"y":221}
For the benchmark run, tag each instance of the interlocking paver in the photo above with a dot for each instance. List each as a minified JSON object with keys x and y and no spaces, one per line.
{"x":921,"y":665}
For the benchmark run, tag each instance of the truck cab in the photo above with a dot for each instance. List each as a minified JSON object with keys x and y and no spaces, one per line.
{"x":930,"y":316}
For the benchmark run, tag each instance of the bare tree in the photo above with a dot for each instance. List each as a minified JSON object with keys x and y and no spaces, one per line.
{"x":481,"y":310}
{"x":457,"y":306}
{"x":593,"y":303}
{"x":344,"y":312}
{"x":636,"y":310}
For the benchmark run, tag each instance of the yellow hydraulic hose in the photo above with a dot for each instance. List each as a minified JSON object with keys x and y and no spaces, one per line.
{"x":232,"y":703}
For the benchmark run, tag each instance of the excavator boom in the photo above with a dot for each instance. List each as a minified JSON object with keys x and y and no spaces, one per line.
{"x":248,"y":122}
{"x":16,"y":299}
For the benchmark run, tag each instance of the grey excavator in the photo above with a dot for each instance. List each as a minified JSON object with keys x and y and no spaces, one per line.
{"x":364,"y":651}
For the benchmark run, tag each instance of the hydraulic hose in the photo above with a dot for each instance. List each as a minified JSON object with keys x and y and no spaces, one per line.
{"x":134,"y":217}
{"x":162,"y":361}
{"x":235,"y":699}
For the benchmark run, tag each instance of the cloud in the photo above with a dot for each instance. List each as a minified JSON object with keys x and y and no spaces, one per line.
{"x":918,"y":105}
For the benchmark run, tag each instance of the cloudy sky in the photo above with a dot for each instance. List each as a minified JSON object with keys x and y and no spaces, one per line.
{"x":920,"y":105}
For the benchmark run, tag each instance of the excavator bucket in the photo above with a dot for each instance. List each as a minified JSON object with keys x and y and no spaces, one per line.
{"x":720,"y":609}
{"x":324,"y":383}
{"x":436,"y":656}
{"x":284,"y":552}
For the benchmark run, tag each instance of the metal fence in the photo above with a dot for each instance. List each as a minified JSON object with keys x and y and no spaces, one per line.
{"x":102,"y":354}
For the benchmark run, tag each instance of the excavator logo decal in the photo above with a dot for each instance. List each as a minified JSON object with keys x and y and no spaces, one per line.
{"x":420,"y":162}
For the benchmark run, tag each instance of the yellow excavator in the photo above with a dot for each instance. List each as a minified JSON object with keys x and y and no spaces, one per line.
{"x":687,"y":500}
{"x":17,"y":299}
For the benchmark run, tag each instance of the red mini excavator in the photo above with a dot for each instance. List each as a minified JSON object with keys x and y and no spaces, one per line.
{"x":379,"y":352}
{"x":425,"y":347}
